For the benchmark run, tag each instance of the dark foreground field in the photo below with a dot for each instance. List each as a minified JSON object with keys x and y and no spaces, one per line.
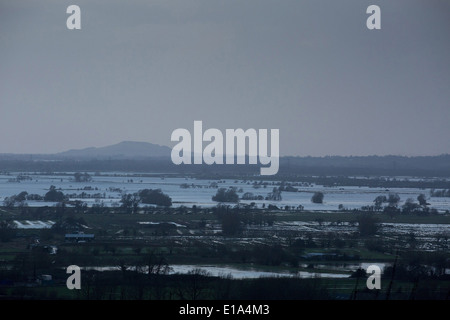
{"x":138,"y":253}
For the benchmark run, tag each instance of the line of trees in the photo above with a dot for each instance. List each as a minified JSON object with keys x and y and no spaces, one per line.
{"x":390,"y":205}
{"x":54,"y":195}
{"x":440,"y":193}
{"x":19,"y":200}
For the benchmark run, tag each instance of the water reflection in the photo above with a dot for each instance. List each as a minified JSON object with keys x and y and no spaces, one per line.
{"x":235,"y":273}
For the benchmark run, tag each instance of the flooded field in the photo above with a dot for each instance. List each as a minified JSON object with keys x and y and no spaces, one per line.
{"x":273,"y":238}
{"x":108,"y":188}
{"x":233,"y":272}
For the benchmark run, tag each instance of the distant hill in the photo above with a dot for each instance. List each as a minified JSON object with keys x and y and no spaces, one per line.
{"x":149,"y":157}
{"x":122,"y":150}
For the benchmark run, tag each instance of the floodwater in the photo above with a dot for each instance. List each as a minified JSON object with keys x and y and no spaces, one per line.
{"x":111,"y":186}
{"x":235,"y":273}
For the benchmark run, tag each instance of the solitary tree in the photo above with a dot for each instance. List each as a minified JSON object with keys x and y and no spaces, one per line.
{"x":422,"y":200}
{"x":82,"y":177}
{"x":317,"y":197}
{"x":393,"y":199}
{"x":378,"y":202}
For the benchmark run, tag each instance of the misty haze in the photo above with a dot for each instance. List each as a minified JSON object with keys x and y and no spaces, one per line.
{"x":89,"y":185}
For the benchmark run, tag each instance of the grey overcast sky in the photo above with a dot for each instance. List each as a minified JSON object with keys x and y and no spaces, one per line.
{"x":137,"y":70}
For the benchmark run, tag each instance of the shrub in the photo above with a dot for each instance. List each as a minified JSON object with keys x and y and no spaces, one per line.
{"x":226,"y":195}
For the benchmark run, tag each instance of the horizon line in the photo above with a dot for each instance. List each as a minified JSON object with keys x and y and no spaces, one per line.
{"x":281,"y":156}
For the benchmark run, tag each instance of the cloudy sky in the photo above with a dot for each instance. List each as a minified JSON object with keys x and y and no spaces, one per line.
{"x":138,"y":69}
